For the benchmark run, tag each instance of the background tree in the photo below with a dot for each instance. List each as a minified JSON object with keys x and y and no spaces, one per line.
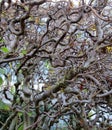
{"x":56,"y":64}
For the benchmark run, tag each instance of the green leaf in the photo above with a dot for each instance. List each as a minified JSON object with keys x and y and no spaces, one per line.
{"x":4,"y":106}
{"x":20,"y":114}
{"x":2,"y":71}
{"x":4,"y":49}
{"x":29,"y":114}
{"x":21,"y":127}
{"x":26,"y":8}
{"x":78,"y":35}
{"x":1,"y":40}
{"x":18,"y":65}
{"x":1,"y":81}
{"x":85,"y":90}
{"x":24,"y":52}
{"x":47,"y":64}
{"x":91,"y":113}
{"x":13,"y":89}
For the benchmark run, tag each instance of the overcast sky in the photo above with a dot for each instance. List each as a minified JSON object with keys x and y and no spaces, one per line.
{"x":76,"y":2}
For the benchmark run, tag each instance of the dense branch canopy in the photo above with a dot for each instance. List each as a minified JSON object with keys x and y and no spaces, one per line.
{"x":56,"y":63}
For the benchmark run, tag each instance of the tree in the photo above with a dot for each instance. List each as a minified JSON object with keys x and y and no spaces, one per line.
{"x":65,"y":50}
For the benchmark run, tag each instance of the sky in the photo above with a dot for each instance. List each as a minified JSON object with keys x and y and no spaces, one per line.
{"x":76,"y":2}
